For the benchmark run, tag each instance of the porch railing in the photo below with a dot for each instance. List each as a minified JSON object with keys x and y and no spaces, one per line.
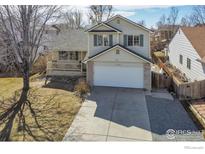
{"x":64,"y":66}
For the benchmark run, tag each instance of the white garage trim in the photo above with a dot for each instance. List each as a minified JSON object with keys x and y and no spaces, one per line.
{"x":116,"y":46}
{"x":118,"y":75}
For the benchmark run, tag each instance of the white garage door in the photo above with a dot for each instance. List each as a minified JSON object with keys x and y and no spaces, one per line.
{"x":118,"y":75}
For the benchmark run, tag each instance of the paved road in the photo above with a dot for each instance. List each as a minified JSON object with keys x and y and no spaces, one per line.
{"x":121,"y":114}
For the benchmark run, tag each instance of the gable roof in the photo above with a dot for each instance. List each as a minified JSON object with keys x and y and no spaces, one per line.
{"x":128,"y":20}
{"x":123,"y":48}
{"x":196,"y":35}
{"x":67,"y":40}
{"x":92,"y":29}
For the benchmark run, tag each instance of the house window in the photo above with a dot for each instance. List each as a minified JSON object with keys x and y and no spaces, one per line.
{"x":118,"y":21}
{"x":106,"y":40}
{"x":74,"y":55}
{"x":136,"y":40}
{"x":133,"y":40}
{"x":63,"y":55}
{"x":100,"y":40}
{"x":188,"y":63}
{"x":103,"y":40}
{"x":68,"y":55}
{"x":130,"y":40}
{"x":180,"y":59}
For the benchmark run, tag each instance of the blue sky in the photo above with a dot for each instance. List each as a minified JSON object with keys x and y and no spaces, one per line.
{"x":150,"y":14}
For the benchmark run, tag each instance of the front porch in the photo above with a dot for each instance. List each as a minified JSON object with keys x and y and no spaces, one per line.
{"x":67,"y":64}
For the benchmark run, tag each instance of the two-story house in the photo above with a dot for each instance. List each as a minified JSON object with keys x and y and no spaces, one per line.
{"x":119,"y":54}
{"x":68,"y":47}
{"x":186,"y":51}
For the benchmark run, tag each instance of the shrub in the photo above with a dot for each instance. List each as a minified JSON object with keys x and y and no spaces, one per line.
{"x":82,"y":88}
{"x":40,"y":64}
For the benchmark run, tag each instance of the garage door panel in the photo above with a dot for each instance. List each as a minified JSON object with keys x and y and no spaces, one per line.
{"x":119,"y":75}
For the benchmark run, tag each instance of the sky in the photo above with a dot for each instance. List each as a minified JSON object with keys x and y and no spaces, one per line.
{"x":150,"y":14}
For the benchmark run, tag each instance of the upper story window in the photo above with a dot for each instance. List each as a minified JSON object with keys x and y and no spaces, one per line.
{"x":180,"y":59}
{"x":136,"y":40}
{"x":106,"y":40}
{"x":130,"y":40}
{"x":188,"y":63}
{"x":103,"y":40}
{"x":133,"y":40}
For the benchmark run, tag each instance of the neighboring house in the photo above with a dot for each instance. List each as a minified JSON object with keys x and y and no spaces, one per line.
{"x":186,"y":52}
{"x":68,"y":47}
{"x":119,"y":54}
{"x":161,"y":36}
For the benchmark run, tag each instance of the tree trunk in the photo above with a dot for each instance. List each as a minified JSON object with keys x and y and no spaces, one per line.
{"x":25,"y":82}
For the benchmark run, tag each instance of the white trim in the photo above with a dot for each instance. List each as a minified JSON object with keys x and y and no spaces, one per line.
{"x":122,"y":49}
{"x":96,"y":26}
{"x":128,"y":20}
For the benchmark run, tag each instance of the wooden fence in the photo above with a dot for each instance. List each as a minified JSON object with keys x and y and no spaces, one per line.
{"x":190,"y":90}
{"x":161,"y":80}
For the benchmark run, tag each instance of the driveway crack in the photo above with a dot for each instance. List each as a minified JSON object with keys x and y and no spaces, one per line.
{"x":113,"y":107}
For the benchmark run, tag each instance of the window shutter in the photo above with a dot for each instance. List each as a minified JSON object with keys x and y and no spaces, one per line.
{"x":95,"y":40}
{"x":125,"y":40}
{"x":141,"y":40}
{"x":110,"y":40}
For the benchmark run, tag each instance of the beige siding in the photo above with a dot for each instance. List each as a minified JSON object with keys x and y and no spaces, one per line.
{"x":130,"y":29}
{"x":126,"y":28}
{"x":123,"y":56}
{"x":94,"y":50}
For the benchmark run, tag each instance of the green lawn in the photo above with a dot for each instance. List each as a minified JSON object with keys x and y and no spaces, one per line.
{"x":55,"y":110}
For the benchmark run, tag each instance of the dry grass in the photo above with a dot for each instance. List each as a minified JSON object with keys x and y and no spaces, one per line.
{"x":82,"y":88}
{"x":8,"y":86}
{"x":159,"y":54}
{"x":55,"y":110}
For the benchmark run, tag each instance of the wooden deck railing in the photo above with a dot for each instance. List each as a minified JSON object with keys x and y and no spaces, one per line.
{"x":58,"y":65}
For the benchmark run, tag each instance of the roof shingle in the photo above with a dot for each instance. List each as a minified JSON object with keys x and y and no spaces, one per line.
{"x":196,"y":35}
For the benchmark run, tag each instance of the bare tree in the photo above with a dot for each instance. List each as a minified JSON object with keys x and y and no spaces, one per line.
{"x":162,"y":21}
{"x":172,"y":19}
{"x":198,"y":15}
{"x":185,"y":21}
{"x":74,"y":18}
{"x":99,"y":13}
{"x":23,"y":26}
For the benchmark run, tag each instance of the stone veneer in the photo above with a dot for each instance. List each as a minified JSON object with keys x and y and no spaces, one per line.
{"x":89,"y":75}
{"x":147,"y":76}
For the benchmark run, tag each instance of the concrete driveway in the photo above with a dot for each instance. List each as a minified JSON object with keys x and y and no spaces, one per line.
{"x":121,"y":114}
{"x":112,"y":114}
{"x":168,"y":114}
